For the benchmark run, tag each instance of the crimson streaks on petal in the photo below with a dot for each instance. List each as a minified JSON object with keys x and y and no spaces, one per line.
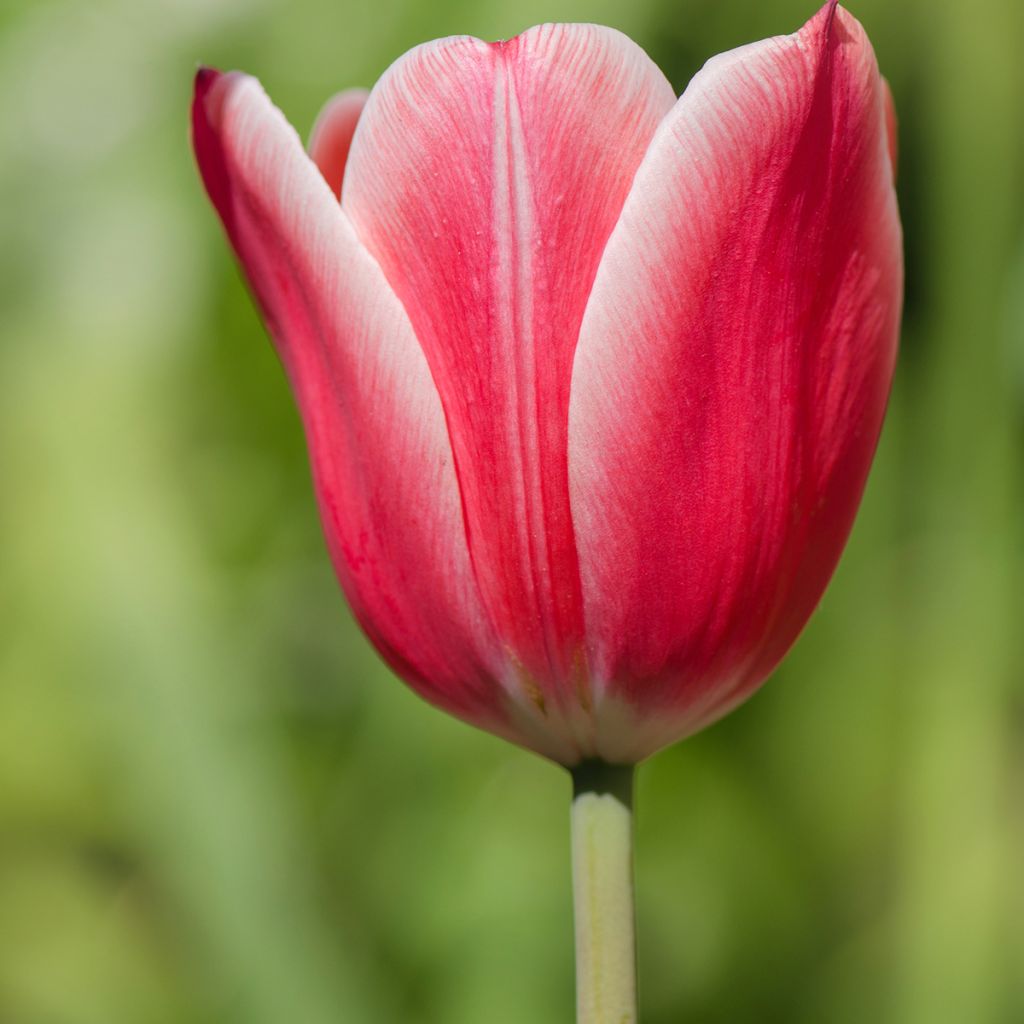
{"x":486,"y":178}
{"x":379,"y":447}
{"x":591,"y":379}
{"x":732,"y":374}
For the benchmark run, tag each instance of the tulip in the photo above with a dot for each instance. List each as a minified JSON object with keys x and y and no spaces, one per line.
{"x":591,"y":376}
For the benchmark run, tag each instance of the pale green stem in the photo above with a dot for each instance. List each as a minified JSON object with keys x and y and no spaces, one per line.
{"x":602,"y":873}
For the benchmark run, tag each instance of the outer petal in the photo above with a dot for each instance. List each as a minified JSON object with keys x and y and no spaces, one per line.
{"x":381,"y":459}
{"x":486,"y":178}
{"x":331,"y":138}
{"x":731,"y":377}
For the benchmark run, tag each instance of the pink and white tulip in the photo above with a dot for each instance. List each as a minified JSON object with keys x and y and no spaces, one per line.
{"x":591,"y":376}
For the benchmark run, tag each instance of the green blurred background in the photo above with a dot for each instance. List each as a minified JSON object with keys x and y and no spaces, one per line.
{"x":215,"y":804}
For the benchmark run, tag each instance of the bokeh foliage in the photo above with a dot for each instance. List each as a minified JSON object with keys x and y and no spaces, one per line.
{"x":216,"y":807}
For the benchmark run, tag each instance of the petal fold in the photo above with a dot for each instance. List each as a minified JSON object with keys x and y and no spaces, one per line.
{"x":731,"y":377}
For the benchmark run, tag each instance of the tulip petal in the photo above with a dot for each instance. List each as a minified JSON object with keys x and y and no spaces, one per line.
{"x":331,"y":137}
{"x":731,"y":377}
{"x":381,"y":459}
{"x":486,"y":178}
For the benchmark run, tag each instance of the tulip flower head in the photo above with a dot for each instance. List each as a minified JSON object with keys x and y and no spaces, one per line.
{"x":591,"y":375}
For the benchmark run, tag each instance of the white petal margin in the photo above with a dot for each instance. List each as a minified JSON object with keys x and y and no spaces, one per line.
{"x":628,"y":407}
{"x":378,"y":441}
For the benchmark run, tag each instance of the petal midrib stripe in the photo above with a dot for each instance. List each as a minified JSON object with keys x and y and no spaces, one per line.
{"x":515,"y":234}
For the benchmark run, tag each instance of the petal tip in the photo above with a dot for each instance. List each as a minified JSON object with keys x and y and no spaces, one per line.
{"x":207,"y":104}
{"x":205,"y":87}
{"x":333,"y":131}
{"x":206,"y":76}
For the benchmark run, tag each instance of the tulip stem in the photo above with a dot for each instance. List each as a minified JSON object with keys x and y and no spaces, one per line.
{"x":602,"y":870}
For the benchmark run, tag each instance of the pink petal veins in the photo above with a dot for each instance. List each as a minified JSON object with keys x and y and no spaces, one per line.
{"x":485,"y":178}
{"x":731,"y":377}
{"x":381,"y":459}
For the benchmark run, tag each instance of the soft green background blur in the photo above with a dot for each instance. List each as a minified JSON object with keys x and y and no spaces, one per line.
{"x":215,"y":804}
